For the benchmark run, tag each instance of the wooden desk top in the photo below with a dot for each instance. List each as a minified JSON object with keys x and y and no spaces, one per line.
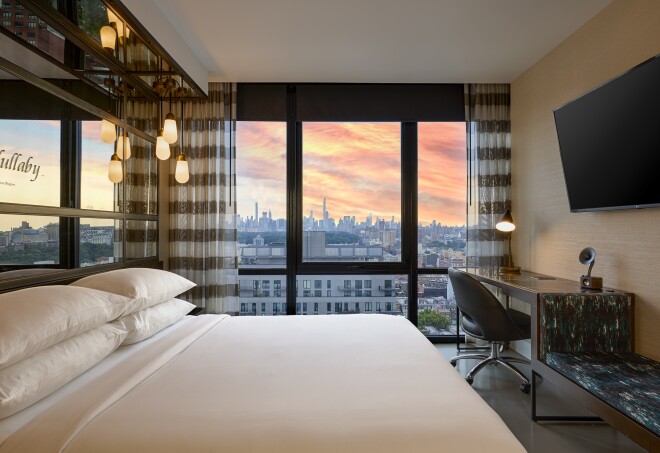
{"x":527,"y":285}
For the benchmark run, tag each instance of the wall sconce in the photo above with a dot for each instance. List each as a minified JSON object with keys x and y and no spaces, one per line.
{"x":506,"y":225}
{"x":115,"y":173}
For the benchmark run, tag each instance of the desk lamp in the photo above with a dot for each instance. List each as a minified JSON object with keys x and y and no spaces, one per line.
{"x":506,"y":225}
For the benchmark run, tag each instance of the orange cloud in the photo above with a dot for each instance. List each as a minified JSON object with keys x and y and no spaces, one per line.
{"x":356,"y":167}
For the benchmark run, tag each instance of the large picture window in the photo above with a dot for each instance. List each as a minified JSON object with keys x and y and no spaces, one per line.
{"x":351,"y":192}
{"x":372,"y":181}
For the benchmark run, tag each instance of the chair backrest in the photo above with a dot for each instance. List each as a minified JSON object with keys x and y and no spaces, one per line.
{"x":482,"y":306}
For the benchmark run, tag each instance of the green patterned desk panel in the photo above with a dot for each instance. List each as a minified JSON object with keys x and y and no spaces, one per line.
{"x":585,"y":322}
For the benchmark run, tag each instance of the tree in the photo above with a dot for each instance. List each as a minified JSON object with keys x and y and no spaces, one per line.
{"x":430,"y":318}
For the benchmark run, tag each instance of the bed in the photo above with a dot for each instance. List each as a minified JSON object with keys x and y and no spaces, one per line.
{"x":351,"y":383}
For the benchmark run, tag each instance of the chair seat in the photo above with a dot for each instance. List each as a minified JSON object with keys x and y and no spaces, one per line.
{"x":522,"y":321}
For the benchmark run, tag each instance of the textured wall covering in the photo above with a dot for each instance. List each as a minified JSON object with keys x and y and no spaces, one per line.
{"x":549,"y":237}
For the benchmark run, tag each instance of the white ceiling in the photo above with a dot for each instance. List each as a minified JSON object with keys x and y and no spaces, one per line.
{"x":377,"y":41}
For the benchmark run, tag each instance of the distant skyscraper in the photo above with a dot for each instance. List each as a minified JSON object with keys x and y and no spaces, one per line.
{"x":256,"y":212}
{"x":325,"y":215}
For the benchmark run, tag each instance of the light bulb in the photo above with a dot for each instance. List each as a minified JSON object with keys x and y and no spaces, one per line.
{"x":115,"y":173}
{"x":169,"y":128}
{"x":108,"y":132}
{"x":181,"y":173}
{"x":108,"y":38}
{"x":123,"y":146}
{"x":162,"y":147}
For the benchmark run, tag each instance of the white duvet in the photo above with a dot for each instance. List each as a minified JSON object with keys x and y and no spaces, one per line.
{"x":352,"y":383}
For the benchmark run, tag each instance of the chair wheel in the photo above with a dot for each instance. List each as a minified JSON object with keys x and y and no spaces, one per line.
{"x":525,"y":388}
{"x":469,"y":380}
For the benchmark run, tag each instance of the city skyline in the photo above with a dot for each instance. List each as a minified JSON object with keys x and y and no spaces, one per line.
{"x":371,"y":164}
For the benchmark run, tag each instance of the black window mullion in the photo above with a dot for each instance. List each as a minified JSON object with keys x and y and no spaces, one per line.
{"x":409,"y":212}
{"x":70,"y":138}
{"x":293,"y":198}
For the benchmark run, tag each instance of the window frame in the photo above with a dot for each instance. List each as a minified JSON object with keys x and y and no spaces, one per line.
{"x":267,"y":102}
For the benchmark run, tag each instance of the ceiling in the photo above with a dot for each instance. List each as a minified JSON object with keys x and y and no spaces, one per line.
{"x":373,"y":41}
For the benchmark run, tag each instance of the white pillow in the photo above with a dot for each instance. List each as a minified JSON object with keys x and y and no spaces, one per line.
{"x":146,"y":287}
{"x":149,"y":321}
{"x":33,"y":319}
{"x":36,"y":377}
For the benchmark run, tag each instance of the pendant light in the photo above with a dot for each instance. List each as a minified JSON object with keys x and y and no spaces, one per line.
{"x":115,"y":173}
{"x":181,"y":173}
{"x":162,"y":147}
{"x":169,"y":128}
{"x":123,"y":146}
{"x":108,"y":131}
{"x":122,"y":30}
{"x":108,"y":38}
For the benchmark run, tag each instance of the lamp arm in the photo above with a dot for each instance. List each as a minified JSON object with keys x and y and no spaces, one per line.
{"x":510,"y":253}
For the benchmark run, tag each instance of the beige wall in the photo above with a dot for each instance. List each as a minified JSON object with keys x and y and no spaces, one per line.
{"x":549,"y":237}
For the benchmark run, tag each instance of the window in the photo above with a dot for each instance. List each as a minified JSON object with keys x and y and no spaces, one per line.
{"x":263,"y":307}
{"x":6,"y":23}
{"x":261,"y":194}
{"x":350,"y":176}
{"x":316,"y":307}
{"x":344,"y":221}
{"x":97,"y":192}
{"x":32,"y":25}
{"x":19,"y":16}
{"x":28,"y":241}
{"x":6,"y":15}
{"x":18,"y":24}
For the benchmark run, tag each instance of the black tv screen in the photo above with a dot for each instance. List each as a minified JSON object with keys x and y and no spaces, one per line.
{"x":609,"y":140}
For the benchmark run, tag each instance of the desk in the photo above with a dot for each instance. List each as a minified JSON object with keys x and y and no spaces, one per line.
{"x":566,"y":318}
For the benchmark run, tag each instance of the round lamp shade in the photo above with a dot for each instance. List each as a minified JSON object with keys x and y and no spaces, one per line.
{"x":108,"y":132}
{"x":115,"y":173}
{"x":181,"y":174}
{"x":123,"y":147}
{"x":162,"y":147}
{"x":169,"y":129}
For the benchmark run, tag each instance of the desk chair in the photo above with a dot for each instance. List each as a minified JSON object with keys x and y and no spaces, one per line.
{"x":485,"y":318}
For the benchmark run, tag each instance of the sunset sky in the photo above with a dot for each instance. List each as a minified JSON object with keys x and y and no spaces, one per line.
{"x":356,"y":166}
{"x":41,"y":141}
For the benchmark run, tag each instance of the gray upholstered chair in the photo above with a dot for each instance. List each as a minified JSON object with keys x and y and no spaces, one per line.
{"x":484,"y":317}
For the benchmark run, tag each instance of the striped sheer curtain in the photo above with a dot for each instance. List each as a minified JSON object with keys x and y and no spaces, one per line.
{"x":141,"y":181}
{"x":202,"y":235}
{"x":487,"y":112}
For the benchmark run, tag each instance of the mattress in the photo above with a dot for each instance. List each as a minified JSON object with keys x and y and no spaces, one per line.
{"x":352,"y":383}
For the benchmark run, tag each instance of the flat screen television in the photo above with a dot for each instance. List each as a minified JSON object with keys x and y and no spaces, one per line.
{"x":609,"y":141}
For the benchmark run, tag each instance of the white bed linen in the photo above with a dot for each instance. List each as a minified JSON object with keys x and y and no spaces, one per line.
{"x":352,"y":383}
{"x":11,"y":424}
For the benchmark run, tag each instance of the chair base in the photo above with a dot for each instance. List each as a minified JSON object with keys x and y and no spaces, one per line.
{"x":494,"y":359}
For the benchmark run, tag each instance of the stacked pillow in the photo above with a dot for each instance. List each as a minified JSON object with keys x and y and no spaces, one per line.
{"x":49,"y":335}
{"x":151,"y":292}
